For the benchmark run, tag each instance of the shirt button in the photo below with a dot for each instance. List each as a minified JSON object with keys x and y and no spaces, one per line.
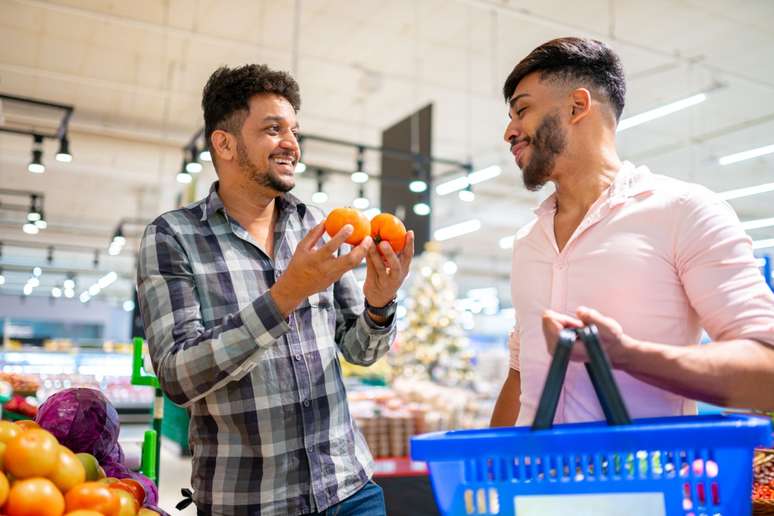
{"x":297,"y":357}
{"x":306,"y":403}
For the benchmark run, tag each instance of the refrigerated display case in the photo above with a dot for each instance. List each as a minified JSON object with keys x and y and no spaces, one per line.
{"x":110,"y":372}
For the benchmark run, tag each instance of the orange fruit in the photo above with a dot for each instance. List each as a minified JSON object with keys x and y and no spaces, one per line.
{"x":32,"y":453}
{"x":340,"y":217}
{"x":93,"y":496}
{"x":388,"y":227}
{"x":34,"y":497}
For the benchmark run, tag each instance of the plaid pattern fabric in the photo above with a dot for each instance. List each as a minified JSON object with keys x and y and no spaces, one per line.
{"x":270,"y":428}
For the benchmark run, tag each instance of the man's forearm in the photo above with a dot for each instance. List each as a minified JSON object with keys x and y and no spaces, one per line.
{"x":737,"y":373}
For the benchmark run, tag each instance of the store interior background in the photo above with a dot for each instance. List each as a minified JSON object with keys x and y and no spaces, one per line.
{"x":133,"y":71}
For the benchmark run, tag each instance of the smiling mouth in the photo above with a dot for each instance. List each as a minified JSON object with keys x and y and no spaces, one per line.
{"x":284,"y":160}
{"x":518,"y":149}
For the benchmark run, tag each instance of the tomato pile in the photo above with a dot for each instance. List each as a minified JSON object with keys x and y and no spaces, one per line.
{"x":763,"y":491}
{"x":40,"y":477}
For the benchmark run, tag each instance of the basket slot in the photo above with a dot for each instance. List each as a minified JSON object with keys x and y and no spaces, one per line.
{"x":599,"y":474}
{"x":491,"y":473}
{"x":494,"y":501}
{"x":468,"y":496}
{"x":481,"y":500}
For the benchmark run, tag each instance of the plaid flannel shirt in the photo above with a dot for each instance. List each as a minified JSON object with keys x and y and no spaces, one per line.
{"x":270,"y":427}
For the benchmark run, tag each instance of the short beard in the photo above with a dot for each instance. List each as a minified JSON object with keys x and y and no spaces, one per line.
{"x":549,"y":141}
{"x":265,"y":179}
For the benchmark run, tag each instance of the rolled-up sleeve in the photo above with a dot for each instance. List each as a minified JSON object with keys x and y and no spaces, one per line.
{"x":715,"y":261}
{"x":190,"y":360}
{"x":360,"y":340}
{"x":514,"y":348}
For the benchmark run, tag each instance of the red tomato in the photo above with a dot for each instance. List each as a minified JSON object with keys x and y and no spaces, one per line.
{"x":34,"y":497}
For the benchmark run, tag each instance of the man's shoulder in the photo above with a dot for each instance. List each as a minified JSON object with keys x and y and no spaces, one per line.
{"x":179,"y":220}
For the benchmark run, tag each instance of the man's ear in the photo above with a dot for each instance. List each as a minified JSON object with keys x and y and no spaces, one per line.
{"x":580,"y":99}
{"x":223,"y":144}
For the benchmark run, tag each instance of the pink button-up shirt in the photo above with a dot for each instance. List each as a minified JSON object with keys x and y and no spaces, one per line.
{"x":663,"y":257}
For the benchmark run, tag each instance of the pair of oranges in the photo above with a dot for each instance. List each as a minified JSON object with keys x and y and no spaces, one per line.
{"x":383,"y":227}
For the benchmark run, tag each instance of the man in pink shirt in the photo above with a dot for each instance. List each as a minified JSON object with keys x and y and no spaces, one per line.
{"x":649,"y":259}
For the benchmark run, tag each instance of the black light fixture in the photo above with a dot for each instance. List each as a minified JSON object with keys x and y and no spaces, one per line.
{"x":36,"y":165}
{"x":422,"y":207}
{"x":118,"y":241}
{"x":320,"y":197}
{"x":34,"y":214}
{"x":41,"y":222}
{"x":361,"y":202}
{"x":192,"y":165}
{"x":63,"y":154}
{"x":418,"y":185}
{"x":184,"y":177}
{"x":95,"y":262}
{"x":360,"y":175}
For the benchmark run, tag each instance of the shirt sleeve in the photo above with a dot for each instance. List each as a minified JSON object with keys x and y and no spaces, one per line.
{"x":190,"y":360}
{"x":514,"y":346}
{"x":360,"y":340}
{"x":721,"y":277}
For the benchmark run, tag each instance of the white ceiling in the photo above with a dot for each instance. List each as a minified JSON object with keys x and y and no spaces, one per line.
{"x":134,"y":72}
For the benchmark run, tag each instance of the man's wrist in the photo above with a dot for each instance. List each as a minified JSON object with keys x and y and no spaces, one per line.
{"x":285,"y":297}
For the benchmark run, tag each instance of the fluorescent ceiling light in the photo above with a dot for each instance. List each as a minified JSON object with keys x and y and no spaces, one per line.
{"x":759,"y":223}
{"x":746,"y":192}
{"x":748,"y":154}
{"x":763,"y":244}
{"x":462,"y":182}
{"x":668,"y":109}
{"x":456,"y":230}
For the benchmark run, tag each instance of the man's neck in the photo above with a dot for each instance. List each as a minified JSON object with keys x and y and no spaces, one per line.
{"x":249,"y":203}
{"x":580,"y":183}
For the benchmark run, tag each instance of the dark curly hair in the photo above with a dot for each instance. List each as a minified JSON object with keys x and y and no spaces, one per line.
{"x":578,"y":61}
{"x":226,"y":96}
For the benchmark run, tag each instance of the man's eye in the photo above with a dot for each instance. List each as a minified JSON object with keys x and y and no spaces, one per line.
{"x":519,"y":112}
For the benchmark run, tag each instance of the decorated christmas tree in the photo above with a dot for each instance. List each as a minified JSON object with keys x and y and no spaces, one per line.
{"x":432,"y":346}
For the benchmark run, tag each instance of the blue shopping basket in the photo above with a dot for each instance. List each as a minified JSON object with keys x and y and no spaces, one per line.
{"x":686,"y":466}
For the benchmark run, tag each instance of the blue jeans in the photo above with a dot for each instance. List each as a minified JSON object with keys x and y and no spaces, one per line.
{"x":369,"y":501}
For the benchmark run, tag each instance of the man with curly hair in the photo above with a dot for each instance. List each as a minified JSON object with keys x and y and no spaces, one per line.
{"x":246,"y":306}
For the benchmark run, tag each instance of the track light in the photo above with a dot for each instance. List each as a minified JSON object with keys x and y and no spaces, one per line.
{"x":467,"y":194}
{"x":320,"y":197}
{"x":418,"y":185}
{"x":63,"y":154}
{"x":205,"y":155}
{"x":30,"y":228}
{"x":184,"y":177}
{"x":422,"y":209}
{"x":192,"y":165}
{"x":36,"y":166}
{"x":362,"y":202}
{"x":117,"y":243}
{"x":34,"y":215}
{"x":360,"y":176}
{"x":41,"y":222}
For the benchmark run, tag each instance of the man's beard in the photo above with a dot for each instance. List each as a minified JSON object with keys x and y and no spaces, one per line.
{"x":549,"y":142}
{"x":266,"y":179}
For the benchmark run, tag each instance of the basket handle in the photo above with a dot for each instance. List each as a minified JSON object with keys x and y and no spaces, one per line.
{"x":599,"y":370}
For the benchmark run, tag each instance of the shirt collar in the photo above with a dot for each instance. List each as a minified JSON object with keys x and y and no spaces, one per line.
{"x":213,"y":203}
{"x":630,"y":181}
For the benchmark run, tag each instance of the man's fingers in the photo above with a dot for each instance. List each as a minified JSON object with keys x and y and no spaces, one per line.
{"x":332,"y":245}
{"x":408,"y":252}
{"x":311,"y":238}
